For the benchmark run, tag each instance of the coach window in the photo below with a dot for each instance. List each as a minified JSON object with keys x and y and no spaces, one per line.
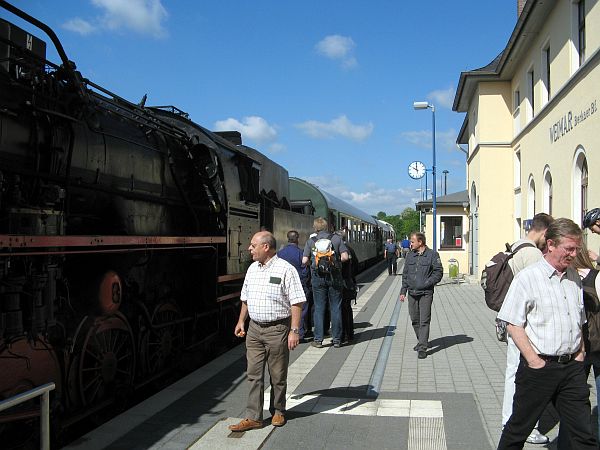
{"x":451,"y":232}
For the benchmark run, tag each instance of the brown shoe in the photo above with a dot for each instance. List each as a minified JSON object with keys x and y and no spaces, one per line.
{"x":246,"y":424}
{"x":278,"y":420}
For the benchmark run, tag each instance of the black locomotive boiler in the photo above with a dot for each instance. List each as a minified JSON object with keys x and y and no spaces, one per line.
{"x":123,"y":231}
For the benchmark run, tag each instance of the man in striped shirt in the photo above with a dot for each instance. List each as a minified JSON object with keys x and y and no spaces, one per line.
{"x":272,"y":296}
{"x":544,"y":312}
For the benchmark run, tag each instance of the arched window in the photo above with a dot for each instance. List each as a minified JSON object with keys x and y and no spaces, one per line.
{"x":580,"y":185}
{"x":531,"y":198}
{"x":547,"y":191}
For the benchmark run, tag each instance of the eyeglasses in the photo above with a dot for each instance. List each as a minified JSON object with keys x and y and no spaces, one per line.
{"x":571,"y":249}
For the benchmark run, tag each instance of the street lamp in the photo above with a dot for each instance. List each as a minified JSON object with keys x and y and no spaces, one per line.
{"x":445,"y":172}
{"x":427,"y":105}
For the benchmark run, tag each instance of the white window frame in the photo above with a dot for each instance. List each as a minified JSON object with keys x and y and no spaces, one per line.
{"x":517,"y":111}
{"x":546,"y":73}
{"x":530,"y":197}
{"x":578,"y":160}
{"x":547,"y":203}
{"x":530,"y":97}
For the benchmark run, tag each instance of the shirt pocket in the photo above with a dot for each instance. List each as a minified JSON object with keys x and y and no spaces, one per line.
{"x":273,"y":291}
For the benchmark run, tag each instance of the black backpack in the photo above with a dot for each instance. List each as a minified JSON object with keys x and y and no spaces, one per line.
{"x":497,"y":276}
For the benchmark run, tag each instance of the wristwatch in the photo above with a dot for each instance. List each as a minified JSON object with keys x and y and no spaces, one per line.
{"x":295,"y":330}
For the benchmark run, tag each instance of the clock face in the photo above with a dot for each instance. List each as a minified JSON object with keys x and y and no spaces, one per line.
{"x":416,"y":170}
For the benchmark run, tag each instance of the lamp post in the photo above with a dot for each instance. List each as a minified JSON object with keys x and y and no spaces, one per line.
{"x":427,"y":105}
{"x":445,"y":172}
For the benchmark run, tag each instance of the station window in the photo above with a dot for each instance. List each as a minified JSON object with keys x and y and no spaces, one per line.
{"x":581,"y":29}
{"x":546,"y":93}
{"x":451,"y":232}
{"x":531,"y":94}
{"x":517,"y":112}
{"x":548,"y":192}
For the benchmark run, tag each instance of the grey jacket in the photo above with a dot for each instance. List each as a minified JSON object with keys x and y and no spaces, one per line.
{"x":421,"y":272}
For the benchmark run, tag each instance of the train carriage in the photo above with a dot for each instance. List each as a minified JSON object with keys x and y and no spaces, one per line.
{"x":124,"y":232}
{"x":362,"y":231}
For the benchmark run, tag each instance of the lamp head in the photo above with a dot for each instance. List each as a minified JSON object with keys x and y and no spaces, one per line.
{"x":421,"y":105}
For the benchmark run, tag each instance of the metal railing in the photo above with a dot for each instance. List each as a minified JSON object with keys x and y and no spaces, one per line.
{"x":44,"y":392}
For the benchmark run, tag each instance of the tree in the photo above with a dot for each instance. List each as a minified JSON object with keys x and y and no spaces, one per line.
{"x":404,"y":224}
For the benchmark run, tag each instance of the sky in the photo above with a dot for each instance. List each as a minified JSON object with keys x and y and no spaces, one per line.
{"x":323,"y":88}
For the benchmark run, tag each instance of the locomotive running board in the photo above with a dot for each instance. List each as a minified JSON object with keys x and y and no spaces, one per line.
{"x":20,"y":245}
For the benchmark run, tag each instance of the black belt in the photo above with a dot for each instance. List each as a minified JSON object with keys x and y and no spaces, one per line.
{"x":285,"y":320}
{"x":562,"y":359}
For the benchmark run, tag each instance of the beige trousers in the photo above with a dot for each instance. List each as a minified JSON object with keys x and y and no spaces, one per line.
{"x":267,"y":345}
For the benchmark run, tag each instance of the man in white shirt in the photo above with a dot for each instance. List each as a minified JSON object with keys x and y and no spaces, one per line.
{"x":272,"y":292}
{"x":529,"y":252}
{"x":544,"y":312}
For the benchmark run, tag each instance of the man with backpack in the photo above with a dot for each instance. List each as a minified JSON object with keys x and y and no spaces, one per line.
{"x":525,"y":251}
{"x":545,"y":314}
{"x":327,"y":252}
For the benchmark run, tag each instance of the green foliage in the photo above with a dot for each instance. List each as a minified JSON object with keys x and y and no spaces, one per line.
{"x":404,"y":224}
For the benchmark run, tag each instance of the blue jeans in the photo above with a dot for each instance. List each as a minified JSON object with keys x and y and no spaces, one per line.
{"x":324,"y":291}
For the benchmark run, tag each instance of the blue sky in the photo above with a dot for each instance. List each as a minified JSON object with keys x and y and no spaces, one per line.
{"x":324,"y":88}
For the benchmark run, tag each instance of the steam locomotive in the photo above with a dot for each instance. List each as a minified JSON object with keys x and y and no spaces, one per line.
{"x":123,"y":231}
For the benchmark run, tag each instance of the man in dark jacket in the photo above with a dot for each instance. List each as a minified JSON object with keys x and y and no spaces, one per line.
{"x":292,"y":253}
{"x":422,"y":271}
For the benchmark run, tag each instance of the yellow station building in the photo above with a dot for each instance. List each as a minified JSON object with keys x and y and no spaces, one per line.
{"x":532,"y":126}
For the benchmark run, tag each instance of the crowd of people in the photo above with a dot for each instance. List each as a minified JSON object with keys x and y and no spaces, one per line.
{"x":551,"y":312}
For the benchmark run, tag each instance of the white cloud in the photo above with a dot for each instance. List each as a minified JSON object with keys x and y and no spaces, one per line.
{"x":340,"y":126}
{"x":373,"y":199}
{"x":80,"y":26}
{"x":141,"y":16}
{"x":442,"y":97}
{"x":252,"y":127}
{"x":444,"y":140}
{"x":276,"y":147}
{"x":338,"y":48}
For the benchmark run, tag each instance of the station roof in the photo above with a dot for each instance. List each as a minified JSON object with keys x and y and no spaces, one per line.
{"x":454,"y":199}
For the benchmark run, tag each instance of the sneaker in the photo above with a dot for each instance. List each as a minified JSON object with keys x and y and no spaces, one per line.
{"x":537,"y":438}
{"x":316,"y":344}
{"x":337,"y":345}
{"x":422,"y":354}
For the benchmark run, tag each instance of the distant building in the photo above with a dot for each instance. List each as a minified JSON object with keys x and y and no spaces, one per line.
{"x":532,"y":125}
{"x":452,"y":227}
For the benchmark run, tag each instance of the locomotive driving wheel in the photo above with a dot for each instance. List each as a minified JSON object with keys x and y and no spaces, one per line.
{"x":107,"y":359}
{"x":165,"y":339}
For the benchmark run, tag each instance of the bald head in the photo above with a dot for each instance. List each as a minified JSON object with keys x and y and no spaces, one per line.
{"x":262,"y":246}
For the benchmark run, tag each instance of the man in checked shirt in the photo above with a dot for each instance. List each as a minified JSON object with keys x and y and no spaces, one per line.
{"x":544,"y":311}
{"x":273,"y":297}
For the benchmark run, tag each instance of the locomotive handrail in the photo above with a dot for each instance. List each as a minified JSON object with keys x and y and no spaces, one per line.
{"x":20,"y":241}
{"x":59,"y":48}
{"x":44,"y":392}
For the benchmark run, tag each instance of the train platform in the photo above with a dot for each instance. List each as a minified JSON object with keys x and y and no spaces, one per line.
{"x":374,"y":393}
